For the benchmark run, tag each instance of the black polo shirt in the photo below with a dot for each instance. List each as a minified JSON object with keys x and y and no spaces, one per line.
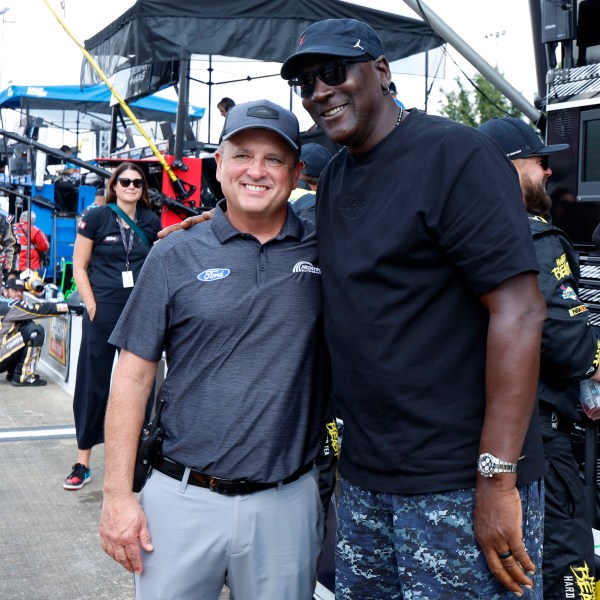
{"x":108,"y":254}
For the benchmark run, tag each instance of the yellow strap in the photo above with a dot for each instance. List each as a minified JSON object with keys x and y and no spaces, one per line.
{"x":116,"y":94}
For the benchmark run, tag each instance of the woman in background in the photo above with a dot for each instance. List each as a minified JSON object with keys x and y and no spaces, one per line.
{"x":110,"y":248}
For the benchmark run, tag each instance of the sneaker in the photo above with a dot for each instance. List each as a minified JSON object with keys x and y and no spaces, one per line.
{"x":78,"y":477}
{"x":9,"y":377}
{"x":32,"y":381}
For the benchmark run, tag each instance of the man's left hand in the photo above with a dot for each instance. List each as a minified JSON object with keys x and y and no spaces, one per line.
{"x":499,"y":532}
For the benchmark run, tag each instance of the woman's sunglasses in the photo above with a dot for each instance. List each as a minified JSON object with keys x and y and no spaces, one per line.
{"x":333,"y":73}
{"x":126,"y":182}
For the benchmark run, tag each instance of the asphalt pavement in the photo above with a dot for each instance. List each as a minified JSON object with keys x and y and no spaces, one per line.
{"x":49,"y":545}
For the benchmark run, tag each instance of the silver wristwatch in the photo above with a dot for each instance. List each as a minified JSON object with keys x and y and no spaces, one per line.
{"x":489,"y":465}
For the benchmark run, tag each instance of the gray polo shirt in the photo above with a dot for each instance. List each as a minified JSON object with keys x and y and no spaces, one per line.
{"x":242,"y":325}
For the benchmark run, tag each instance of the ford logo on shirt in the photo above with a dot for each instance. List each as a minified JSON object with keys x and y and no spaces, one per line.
{"x":213,"y":274}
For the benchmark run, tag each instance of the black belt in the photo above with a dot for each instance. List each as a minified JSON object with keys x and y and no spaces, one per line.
{"x":228,"y":487}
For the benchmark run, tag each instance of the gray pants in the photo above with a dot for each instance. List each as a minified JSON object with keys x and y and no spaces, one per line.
{"x":264,"y":545}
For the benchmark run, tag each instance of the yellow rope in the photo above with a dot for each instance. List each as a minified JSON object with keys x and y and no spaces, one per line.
{"x":116,"y":94}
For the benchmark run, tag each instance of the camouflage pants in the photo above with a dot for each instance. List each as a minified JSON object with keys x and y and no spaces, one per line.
{"x":395,"y":546}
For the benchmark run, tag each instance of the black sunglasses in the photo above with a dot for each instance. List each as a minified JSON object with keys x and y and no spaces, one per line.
{"x":126,"y":182}
{"x":333,"y":73}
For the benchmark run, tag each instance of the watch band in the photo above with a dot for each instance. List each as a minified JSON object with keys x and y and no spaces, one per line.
{"x":489,"y":465}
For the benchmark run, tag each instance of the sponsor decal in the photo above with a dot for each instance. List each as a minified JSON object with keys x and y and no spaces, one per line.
{"x":306,"y":267}
{"x":581,"y":584}
{"x":59,"y":339}
{"x":332,"y":431}
{"x":568,"y":293}
{"x":562,"y":268}
{"x":213,"y":274}
{"x":596,"y":361}
{"x":36,"y":91}
{"x":578,"y":310}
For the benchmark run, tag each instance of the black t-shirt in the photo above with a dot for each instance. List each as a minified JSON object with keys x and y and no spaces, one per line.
{"x":410,"y":235}
{"x":108,"y":259}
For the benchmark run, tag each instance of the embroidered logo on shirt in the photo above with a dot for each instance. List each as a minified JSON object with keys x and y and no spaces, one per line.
{"x":111,"y":239}
{"x":213,"y":274}
{"x":306,"y":267}
{"x":577,"y":310}
{"x":568,"y":293}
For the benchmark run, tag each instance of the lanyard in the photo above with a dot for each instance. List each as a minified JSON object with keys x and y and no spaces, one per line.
{"x":127,"y":243}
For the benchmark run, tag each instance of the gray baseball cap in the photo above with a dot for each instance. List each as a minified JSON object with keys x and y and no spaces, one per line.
{"x":263,"y":114}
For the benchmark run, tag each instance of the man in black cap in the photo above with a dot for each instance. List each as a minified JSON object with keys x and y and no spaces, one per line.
{"x":21,"y":338}
{"x":570,"y":354}
{"x":237,"y":304}
{"x":433,"y":319}
{"x":315,"y":158}
{"x":66,"y":187}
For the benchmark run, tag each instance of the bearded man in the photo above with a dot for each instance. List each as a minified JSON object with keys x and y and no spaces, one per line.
{"x":569,"y":354}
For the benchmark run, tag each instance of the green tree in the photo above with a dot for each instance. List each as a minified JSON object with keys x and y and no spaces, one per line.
{"x":473,"y":107}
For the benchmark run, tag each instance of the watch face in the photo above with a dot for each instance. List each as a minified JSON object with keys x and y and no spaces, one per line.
{"x":486,"y":463}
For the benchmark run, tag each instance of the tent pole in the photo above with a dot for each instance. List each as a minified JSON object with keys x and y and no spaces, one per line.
{"x":77,"y":132}
{"x":210,"y":70}
{"x":54,"y":229}
{"x":442,"y":29}
{"x":182,"y":108}
{"x":426,"y":78}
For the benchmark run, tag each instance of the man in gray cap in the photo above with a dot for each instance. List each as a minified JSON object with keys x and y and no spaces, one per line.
{"x":570,"y":354}
{"x":433,"y":319}
{"x":236,"y":303}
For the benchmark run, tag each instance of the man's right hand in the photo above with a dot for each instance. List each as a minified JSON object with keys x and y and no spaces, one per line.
{"x":186,"y":224}
{"x":123,"y":529}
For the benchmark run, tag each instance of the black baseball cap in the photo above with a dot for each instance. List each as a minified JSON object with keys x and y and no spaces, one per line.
{"x":517,"y":139}
{"x":346,"y":38}
{"x":14,"y":284}
{"x":263,"y":114}
{"x":315,"y":159}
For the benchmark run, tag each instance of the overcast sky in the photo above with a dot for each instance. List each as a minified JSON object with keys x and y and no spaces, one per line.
{"x":35,"y":50}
